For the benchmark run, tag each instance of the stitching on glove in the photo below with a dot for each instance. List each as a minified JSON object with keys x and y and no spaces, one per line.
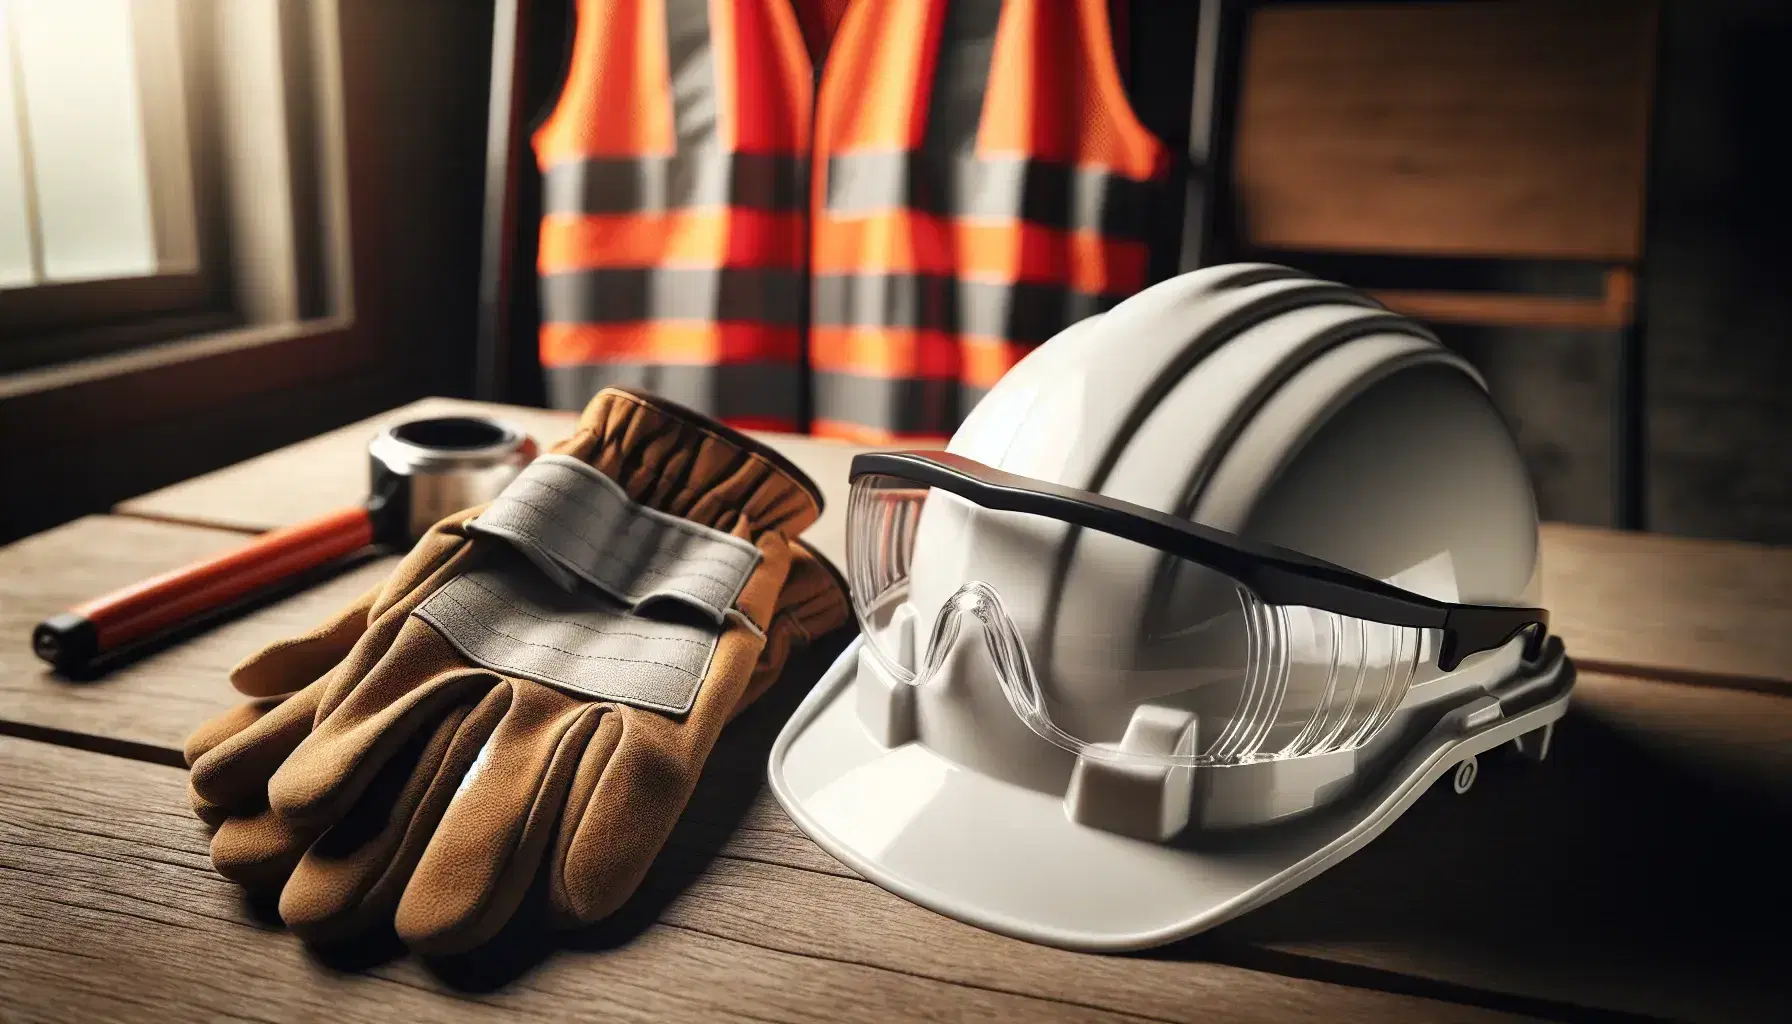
{"x":510,"y":618}
{"x":593,"y":531}
{"x":684,"y":525}
{"x":535,"y":645}
{"x":574,"y":531}
{"x":512,"y":606}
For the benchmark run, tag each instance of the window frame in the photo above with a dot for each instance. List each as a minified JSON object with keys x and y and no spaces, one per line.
{"x":386,"y":317}
{"x":52,"y":321}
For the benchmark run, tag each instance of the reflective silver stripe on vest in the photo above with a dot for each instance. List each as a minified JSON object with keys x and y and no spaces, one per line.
{"x":726,"y":391}
{"x":508,"y":618}
{"x":700,"y":173}
{"x":702,"y":177}
{"x":690,"y":60}
{"x":577,"y":524}
{"x":1025,"y":313}
{"x":1050,"y":195}
{"x":900,"y":405}
{"x":944,"y":176}
{"x":627,"y":295}
{"x":961,"y":68}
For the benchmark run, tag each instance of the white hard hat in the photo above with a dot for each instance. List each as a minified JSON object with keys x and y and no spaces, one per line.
{"x":1202,"y":595}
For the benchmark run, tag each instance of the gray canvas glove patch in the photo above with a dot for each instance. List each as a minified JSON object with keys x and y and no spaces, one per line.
{"x":510,"y":618}
{"x":575,"y":524}
{"x":592,"y":592}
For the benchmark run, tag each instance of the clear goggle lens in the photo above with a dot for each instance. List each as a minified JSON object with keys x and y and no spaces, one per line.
{"x":1142,"y":656}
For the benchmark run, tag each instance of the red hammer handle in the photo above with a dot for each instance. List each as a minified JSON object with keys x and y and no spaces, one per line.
{"x":145,"y":610}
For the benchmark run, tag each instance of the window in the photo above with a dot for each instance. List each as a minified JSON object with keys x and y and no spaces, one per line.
{"x":157,"y":173}
{"x":95,"y":179}
{"x":336,"y":151}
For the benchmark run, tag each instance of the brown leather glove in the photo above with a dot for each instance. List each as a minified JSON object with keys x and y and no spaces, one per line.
{"x":381,"y":742}
{"x":259,"y":849}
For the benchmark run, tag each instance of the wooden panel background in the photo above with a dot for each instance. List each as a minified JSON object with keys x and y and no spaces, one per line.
{"x":1492,"y":128}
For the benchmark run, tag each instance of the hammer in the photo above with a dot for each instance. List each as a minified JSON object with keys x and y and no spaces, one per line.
{"x":422,"y":470}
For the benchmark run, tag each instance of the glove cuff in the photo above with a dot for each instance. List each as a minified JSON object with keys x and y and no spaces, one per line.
{"x":814,"y":601}
{"x":684,"y":463}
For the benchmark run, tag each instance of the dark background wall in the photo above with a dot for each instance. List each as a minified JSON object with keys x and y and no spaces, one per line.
{"x":1716,"y":302}
{"x":1716,"y":294}
{"x":1715,"y":279}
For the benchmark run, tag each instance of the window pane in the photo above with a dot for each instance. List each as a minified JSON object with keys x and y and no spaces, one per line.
{"x":86,"y":132}
{"x":15,"y":225}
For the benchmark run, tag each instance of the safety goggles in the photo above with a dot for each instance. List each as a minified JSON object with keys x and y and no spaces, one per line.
{"x":1240,"y":652}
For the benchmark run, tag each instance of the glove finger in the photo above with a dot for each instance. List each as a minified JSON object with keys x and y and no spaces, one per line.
{"x":258,"y":851}
{"x":813,"y":603}
{"x":571,"y":901}
{"x":438,"y":556}
{"x":411,"y":689}
{"x":608,"y":837}
{"x":209,"y":814}
{"x":233,"y":774}
{"x":205,"y":738}
{"x":252,"y":845}
{"x":292,"y":664}
{"x":258,"y":740}
{"x":606,"y":840}
{"x":257,"y":846}
{"x":490,"y":842}
{"x":353,"y":875}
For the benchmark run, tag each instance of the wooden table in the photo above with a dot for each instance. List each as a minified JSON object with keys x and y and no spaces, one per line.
{"x":1636,"y":875}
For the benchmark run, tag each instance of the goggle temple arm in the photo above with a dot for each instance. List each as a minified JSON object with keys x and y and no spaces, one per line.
{"x":1473,"y":628}
{"x":1279,"y":576}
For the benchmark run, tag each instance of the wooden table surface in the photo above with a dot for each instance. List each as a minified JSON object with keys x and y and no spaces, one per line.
{"x":1636,"y":875}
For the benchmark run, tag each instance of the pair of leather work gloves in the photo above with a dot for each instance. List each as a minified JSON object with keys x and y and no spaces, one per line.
{"x":532,"y":692}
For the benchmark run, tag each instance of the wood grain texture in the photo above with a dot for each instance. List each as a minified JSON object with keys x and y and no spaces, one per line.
{"x":1671,"y":607}
{"x":1491,"y":310}
{"x":326,"y":472}
{"x":1512,"y":129}
{"x":1608,"y":312}
{"x":1735,"y":740}
{"x":111,"y":912}
{"x":1671,"y":740}
{"x":147,"y":707}
{"x":1629,"y":874}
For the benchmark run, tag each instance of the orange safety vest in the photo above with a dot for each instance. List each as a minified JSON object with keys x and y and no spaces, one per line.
{"x":860,"y":258}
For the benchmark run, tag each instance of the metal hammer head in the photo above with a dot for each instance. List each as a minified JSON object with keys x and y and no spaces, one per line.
{"x":424,"y":469}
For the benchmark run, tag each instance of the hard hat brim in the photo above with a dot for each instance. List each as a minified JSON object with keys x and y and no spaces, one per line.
{"x":1008,"y":859}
